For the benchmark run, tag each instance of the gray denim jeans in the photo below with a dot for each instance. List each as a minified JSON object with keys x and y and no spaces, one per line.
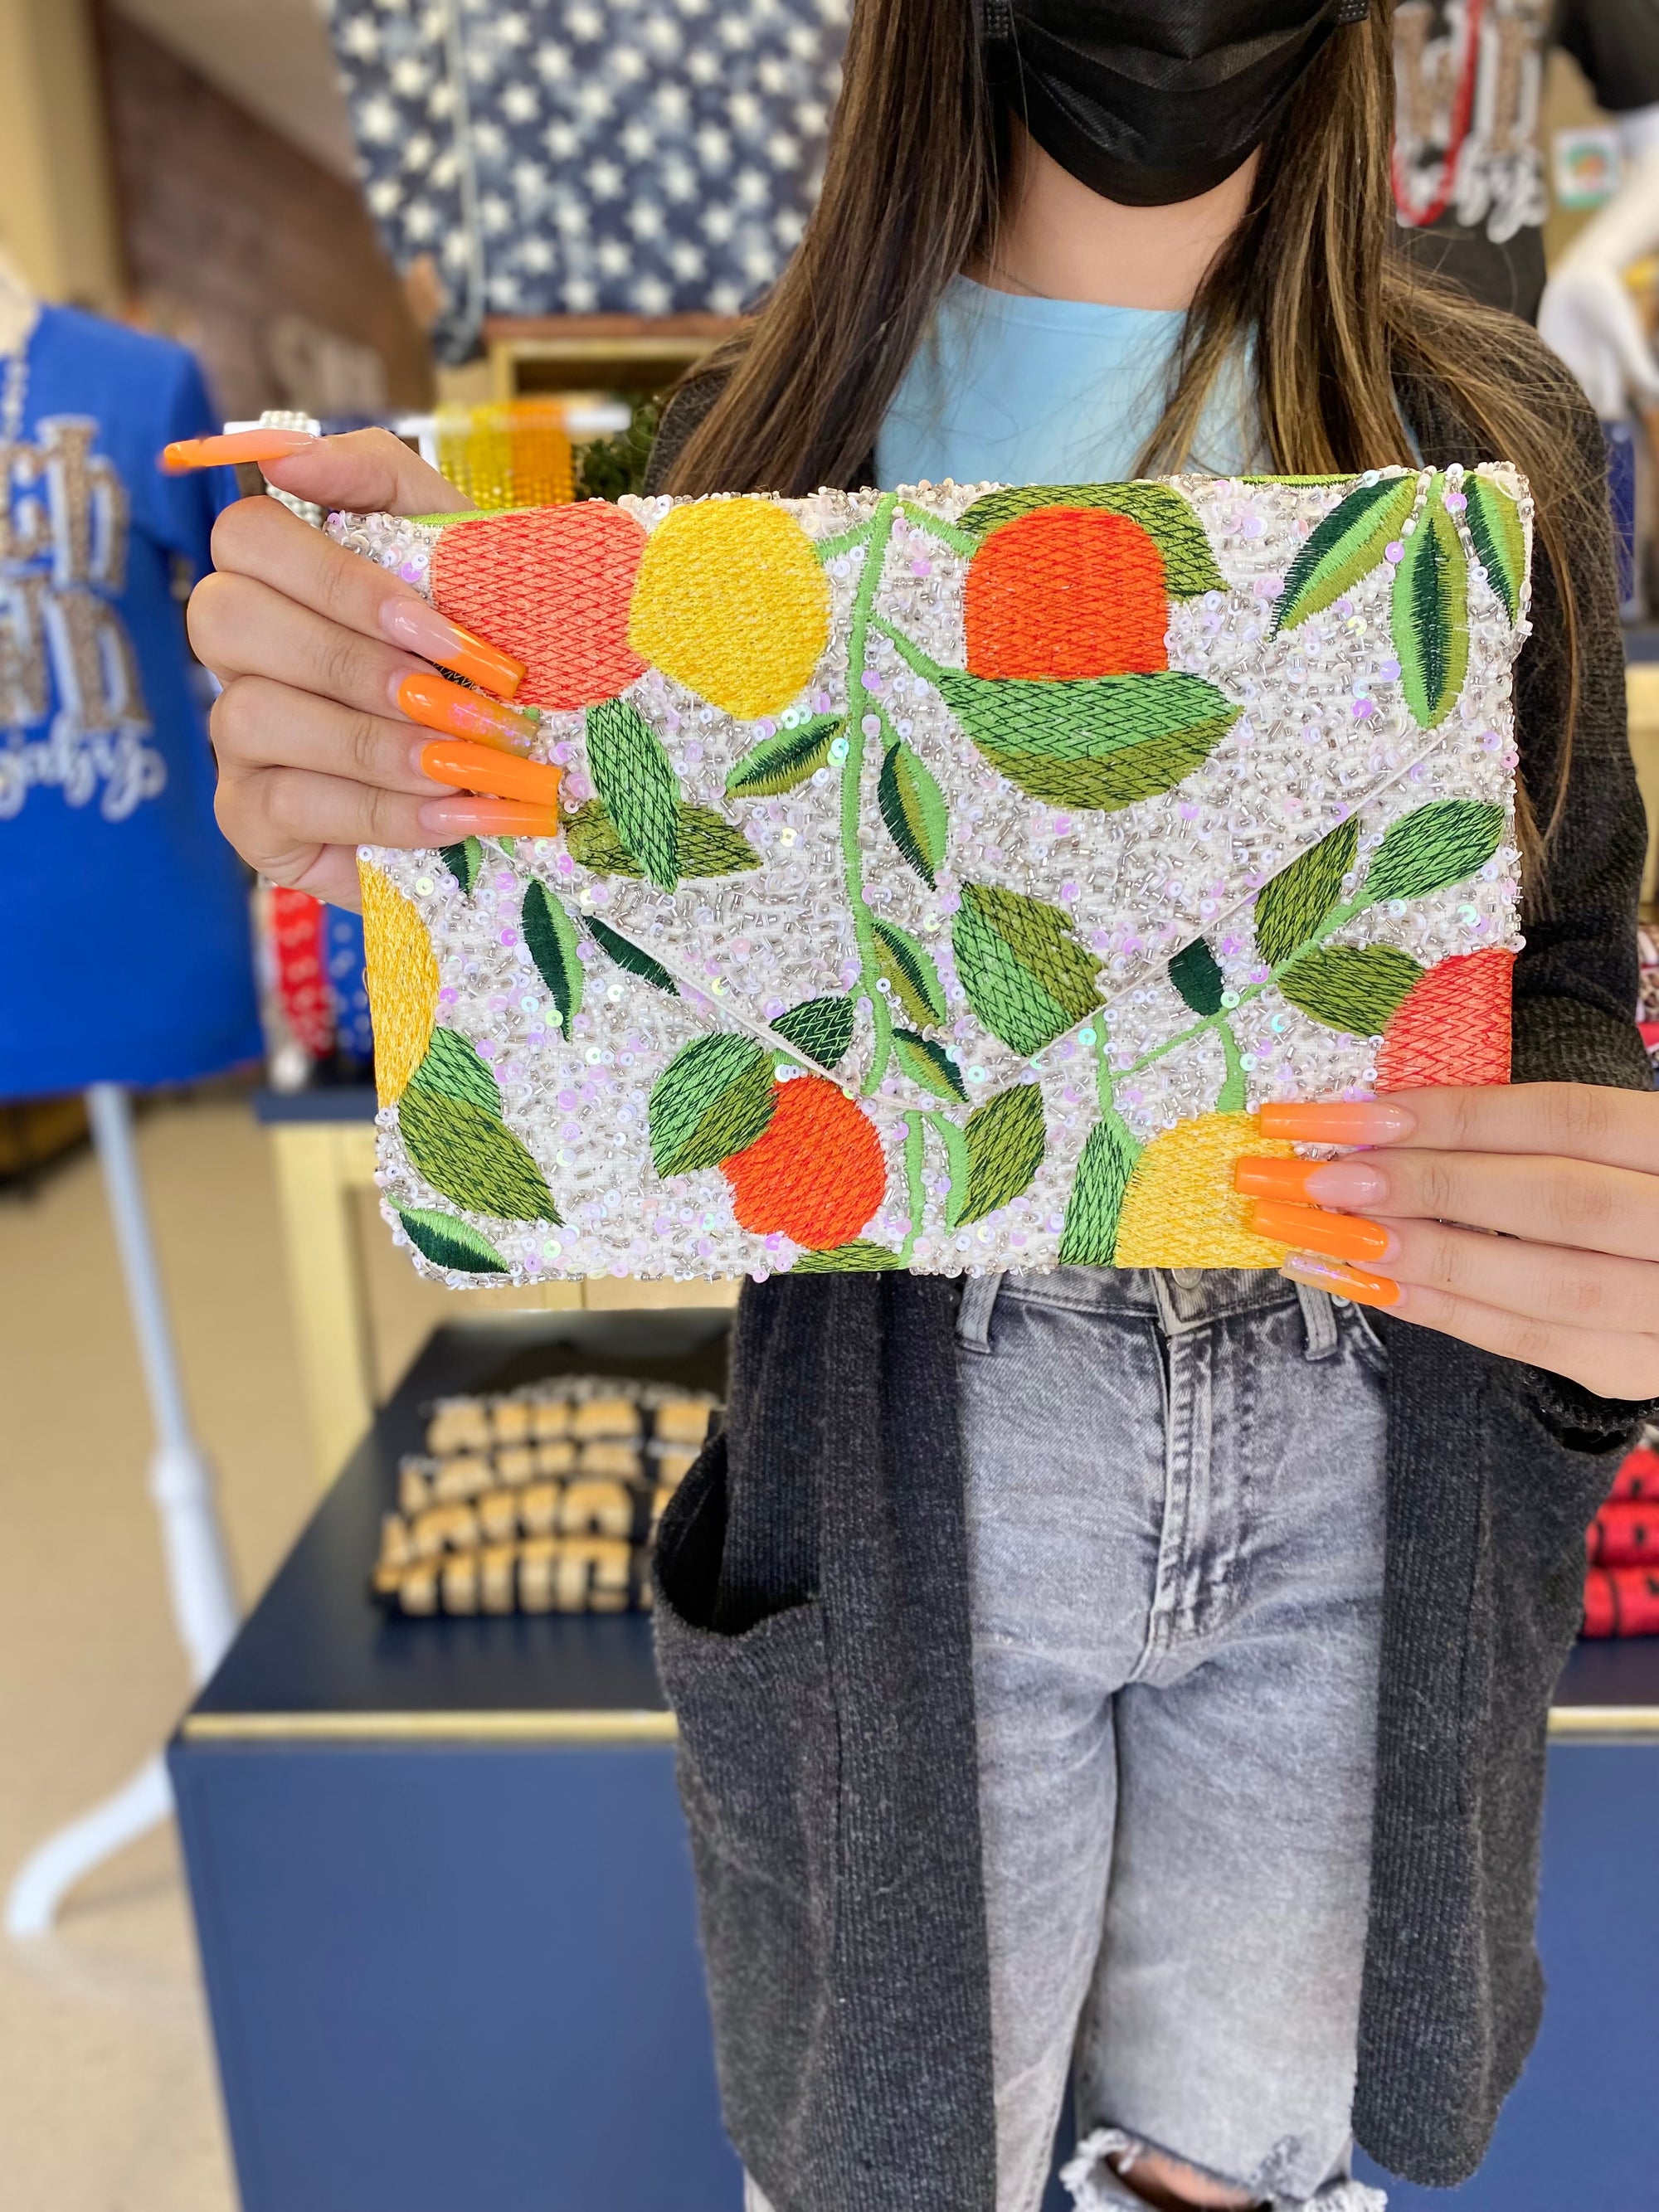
{"x":1174,"y":1511}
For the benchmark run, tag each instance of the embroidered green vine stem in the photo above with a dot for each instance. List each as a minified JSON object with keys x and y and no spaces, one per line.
{"x":1219,"y":1023}
{"x":956,"y":1162}
{"x":916,"y":1197}
{"x":959,"y":541}
{"x":859,"y":704}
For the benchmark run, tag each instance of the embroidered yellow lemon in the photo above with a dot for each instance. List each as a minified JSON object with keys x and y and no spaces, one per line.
{"x":732,"y":601}
{"x":1181,"y":1209}
{"x":402,"y":973}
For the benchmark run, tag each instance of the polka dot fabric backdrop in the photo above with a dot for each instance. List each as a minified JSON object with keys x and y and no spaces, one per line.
{"x":944,"y":877}
{"x":647,"y":157}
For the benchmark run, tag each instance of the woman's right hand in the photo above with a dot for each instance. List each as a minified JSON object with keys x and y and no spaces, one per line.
{"x":312,"y":644}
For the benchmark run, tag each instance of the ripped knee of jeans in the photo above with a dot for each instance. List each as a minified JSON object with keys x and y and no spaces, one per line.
{"x":1100,"y":2178}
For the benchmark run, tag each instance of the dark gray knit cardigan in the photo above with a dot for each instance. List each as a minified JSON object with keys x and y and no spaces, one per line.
{"x":813,"y":1630}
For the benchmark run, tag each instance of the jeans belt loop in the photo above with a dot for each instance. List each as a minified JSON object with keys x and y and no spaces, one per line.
{"x":1318,"y":1320}
{"x":979,"y":1297}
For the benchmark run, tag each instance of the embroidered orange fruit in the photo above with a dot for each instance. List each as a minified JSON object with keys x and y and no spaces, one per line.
{"x":402,"y":973}
{"x":817,"y":1173}
{"x":732,"y":601}
{"x":551,"y":586}
{"x":1066,"y":591}
{"x":1453,"y":1026}
{"x":1181,"y":1209}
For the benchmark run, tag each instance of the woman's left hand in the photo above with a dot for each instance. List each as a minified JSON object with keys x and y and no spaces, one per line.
{"x":1523,"y":1219}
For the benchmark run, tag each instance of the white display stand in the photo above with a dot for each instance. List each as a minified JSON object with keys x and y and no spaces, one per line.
{"x":182,"y":1485}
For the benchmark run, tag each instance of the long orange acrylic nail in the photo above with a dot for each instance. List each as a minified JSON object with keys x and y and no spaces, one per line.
{"x":409,"y":622}
{"x":262,"y":445}
{"x":446,"y":819}
{"x":1336,"y":1120}
{"x":1348,"y":1235}
{"x":1350,"y":1283}
{"x":437,"y":704}
{"x":468,"y":767}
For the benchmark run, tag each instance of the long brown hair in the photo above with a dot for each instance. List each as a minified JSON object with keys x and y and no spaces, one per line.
{"x":1344,"y":328}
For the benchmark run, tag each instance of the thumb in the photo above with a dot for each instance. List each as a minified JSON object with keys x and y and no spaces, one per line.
{"x":365,"y":472}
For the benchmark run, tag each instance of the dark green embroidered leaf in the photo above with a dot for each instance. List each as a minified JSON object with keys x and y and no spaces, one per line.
{"x":706,"y":845}
{"x":1497,"y":533}
{"x":448,"y":1241}
{"x":1189,"y":566}
{"x":1026,"y":977}
{"x":550,"y":936}
{"x":1290,"y":908}
{"x":1434,"y":846}
{"x":781,"y":762}
{"x":1355,"y":988}
{"x":858,"y":1258}
{"x":929,"y":1065}
{"x":1005,"y":1142}
{"x":1097,"y":1199}
{"x":1195,"y":974}
{"x":451,"y":1069}
{"x":1428,"y":615}
{"x":710,"y":846}
{"x":912,"y":807}
{"x":463,"y":861}
{"x":1346,"y":546}
{"x":715,"y":1097}
{"x":472,"y":1158}
{"x":637,"y":782}
{"x":821,"y":1028}
{"x":629,"y":955}
{"x":908,"y":968}
{"x":1103,"y":742}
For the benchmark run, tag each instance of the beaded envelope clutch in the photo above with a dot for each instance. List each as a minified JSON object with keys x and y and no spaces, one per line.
{"x":944,"y":877}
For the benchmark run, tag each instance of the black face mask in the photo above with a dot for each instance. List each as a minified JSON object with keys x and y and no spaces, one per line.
{"x":1147,"y":101}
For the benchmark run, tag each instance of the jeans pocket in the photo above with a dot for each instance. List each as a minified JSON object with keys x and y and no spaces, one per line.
{"x":1361,"y":1331}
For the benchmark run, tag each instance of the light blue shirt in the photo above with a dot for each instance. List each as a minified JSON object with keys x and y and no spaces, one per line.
{"x":1007,"y":389}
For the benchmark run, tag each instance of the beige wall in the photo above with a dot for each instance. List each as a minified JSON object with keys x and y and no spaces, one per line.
{"x":56,"y":211}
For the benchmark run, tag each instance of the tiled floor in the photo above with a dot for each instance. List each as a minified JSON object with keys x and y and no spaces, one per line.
{"x":108,"y":2101}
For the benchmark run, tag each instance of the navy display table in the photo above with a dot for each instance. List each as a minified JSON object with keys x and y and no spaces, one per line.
{"x":445,"y":1906}
{"x":440,"y":1874}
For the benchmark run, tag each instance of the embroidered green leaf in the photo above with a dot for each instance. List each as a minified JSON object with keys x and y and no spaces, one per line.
{"x":715,"y":1097}
{"x":1103,"y":742}
{"x":1346,"y":546}
{"x":463,"y":861}
{"x":929,"y":1065}
{"x":781,"y":762}
{"x":1290,"y":908}
{"x":472,"y":1158}
{"x":1097,"y":1199}
{"x":822,"y":1028}
{"x":711,"y":846}
{"x":1195,"y":974}
{"x":451,"y":1068}
{"x":1498,"y":537}
{"x":858,"y":1258}
{"x":1434,"y":846}
{"x":508,"y":845}
{"x":550,"y":937}
{"x":908,"y":968}
{"x":1189,"y":566}
{"x":1005,"y":1141}
{"x":1026,"y":977}
{"x":1428,"y":615}
{"x":1355,"y":988}
{"x":706,"y":845}
{"x":627,"y":955}
{"x":637,"y":782}
{"x":912,"y":807}
{"x":448,"y":1241}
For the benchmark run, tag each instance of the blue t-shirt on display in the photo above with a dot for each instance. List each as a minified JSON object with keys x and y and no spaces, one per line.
{"x":124,"y":912}
{"x":1010,"y":389}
